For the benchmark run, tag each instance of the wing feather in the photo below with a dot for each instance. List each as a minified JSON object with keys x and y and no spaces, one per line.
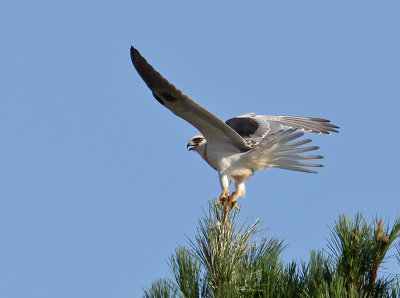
{"x":309,"y":124}
{"x":280,"y":150}
{"x":254,"y":128}
{"x":212,"y":128}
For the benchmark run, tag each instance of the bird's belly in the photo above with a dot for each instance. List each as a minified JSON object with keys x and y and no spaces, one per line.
{"x":241,"y":175}
{"x":228,"y":161}
{"x":230,"y":164}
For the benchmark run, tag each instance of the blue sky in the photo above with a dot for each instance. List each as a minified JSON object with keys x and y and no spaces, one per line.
{"x":96,"y":185}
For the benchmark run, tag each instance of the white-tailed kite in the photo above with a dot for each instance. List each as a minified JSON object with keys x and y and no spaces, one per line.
{"x":241,"y":145}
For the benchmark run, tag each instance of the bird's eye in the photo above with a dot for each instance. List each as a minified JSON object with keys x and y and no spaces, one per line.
{"x":197,"y":140}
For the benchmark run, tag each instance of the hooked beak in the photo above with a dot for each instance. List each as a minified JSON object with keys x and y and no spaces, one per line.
{"x":191,"y":145}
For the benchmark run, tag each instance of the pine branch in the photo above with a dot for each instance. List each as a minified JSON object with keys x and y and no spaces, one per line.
{"x":398,"y":252}
{"x":228,"y":260}
{"x":159,"y":289}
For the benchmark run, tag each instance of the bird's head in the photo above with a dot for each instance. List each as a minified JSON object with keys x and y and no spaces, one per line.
{"x":196,"y":142}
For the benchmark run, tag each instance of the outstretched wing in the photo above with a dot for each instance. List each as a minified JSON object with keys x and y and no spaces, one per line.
{"x":212,"y":128}
{"x":253,"y":128}
{"x":308,"y":124}
{"x":280,"y":150}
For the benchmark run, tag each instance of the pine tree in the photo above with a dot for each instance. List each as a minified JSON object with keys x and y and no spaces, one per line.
{"x":227,"y":260}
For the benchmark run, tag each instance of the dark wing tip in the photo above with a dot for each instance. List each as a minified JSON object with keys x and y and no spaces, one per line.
{"x":329,"y":127}
{"x":145,"y":70}
{"x":135,"y":55}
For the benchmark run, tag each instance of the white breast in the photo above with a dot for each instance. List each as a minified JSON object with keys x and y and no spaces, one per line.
{"x":221,"y":156}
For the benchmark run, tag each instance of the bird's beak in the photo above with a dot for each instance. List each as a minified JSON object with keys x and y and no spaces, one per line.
{"x":191,"y":145}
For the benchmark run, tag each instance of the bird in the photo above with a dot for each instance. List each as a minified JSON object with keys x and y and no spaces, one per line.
{"x":242,"y":145}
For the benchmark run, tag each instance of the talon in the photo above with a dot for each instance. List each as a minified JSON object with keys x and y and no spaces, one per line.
{"x":224,"y":196}
{"x":234,"y":198}
{"x":231,"y":198}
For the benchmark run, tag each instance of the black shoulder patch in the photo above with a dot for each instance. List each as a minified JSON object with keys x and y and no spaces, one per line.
{"x":169,"y":97}
{"x":245,"y":127}
{"x":158,"y":99}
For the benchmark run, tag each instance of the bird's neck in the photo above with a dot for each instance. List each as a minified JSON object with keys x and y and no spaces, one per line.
{"x":202,"y":151}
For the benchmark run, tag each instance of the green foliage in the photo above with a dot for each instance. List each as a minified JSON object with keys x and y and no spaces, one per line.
{"x":186,"y":270}
{"x":398,"y":252}
{"x":159,"y":289}
{"x":360,"y":249}
{"x":226,"y":260}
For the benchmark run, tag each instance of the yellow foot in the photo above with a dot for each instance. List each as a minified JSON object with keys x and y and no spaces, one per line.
{"x":233,"y":199}
{"x":230,"y":198}
{"x":224,"y":196}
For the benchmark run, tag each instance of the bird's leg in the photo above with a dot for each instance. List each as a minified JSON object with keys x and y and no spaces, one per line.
{"x":224,"y":181}
{"x":224,"y":196}
{"x":233,"y":198}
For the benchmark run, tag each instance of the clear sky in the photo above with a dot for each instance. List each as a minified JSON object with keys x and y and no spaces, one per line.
{"x":97,"y":187}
